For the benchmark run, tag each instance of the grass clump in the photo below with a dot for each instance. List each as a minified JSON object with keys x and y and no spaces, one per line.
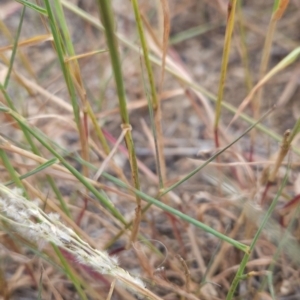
{"x":120,"y":138}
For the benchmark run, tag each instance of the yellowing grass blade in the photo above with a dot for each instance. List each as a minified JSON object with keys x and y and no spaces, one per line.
{"x":289,"y":59}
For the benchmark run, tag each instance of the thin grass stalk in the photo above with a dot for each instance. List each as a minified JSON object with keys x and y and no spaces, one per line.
{"x":32,"y":172}
{"x":67,"y":72}
{"x":178,"y":213}
{"x":225,"y":57}
{"x":34,"y":224}
{"x":72,"y":68}
{"x":243,"y":45}
{"x":98,"y":130}
{"x":40,"y":289}
{"x":61,"y":54}
{"x":68,"y":271}
{"x":59,"y":197}
{"x":14,"y":51}
{"x":36,"y":151}
{"x":33,"y":6}
{"x":102,"y":139}
{"x":224,"y":247}
{"x":19,"y":184}
{"x":77,"y":174}
{"x":211,"y":158}
{"x":283,"y":242}
{"x":155,"y":103}
{"x":50,"y":181}
{"x":285,"y":146}
{"x":14,"y":175}
{"x":142,"y":195}
{"x":6,"y":32}
{"x":192,"y":32}
{"x":35,"y":40}
{"x":284,"y":63}
{"x":247,"y":255}
{"x":86,"y":54}
{"x":75,"y":69}
{"x":185,"y":178}
{"x":88,"y":112}
{"x":278,"y":10}
{"x":12,"y":172}
{"x":72,"y":77}
{"x":119,"y":183}
{"x":295,"y":131}
{"x":106,"y":15}
{"x":10,"y":103}
{"x":93,"y":21}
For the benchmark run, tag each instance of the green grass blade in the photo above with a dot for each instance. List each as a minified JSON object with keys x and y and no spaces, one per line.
{"x":154,"y":103}
{"x":192,"y":173}
{"x":244,"y":262}
{"x":61,"y":55}
{"x":14,"y":50}
{"x":34,"y":7}
{"x":77,"y":174}
{"x":192,"y":32}
{"x":70,"y":273}
{"x":106,"y":15}
{"x":193,"y":85}
{"x":93,"y":21}
{"x":36,"y":151}
{"x":36,"y":170}
{"x":177,"y":213}
{"x":12,"y":172}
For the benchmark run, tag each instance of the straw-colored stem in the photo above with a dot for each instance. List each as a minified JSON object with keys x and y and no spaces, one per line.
{"x":278,"y":9}
{"x":225,"y":57}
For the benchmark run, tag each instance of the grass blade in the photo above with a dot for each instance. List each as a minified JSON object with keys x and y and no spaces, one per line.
{"x":106,"y":15}
{"x":244,"y":262}
{"x":227,"y":42}
{"x":33,"y":6}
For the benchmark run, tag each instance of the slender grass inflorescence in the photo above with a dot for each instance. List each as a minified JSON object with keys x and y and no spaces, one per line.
{"x":35,"y":225}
